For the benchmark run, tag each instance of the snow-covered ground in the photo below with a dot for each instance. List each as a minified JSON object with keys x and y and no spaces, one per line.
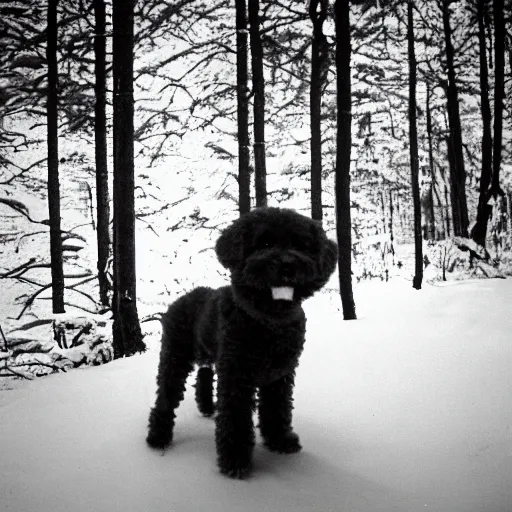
{"x":406,"y":409}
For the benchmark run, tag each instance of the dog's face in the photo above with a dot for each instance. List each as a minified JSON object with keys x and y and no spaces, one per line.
{"x":277,"y":258}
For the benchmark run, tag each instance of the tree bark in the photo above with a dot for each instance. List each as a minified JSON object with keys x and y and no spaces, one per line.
{"x":258,"y":86}
{"x":100,"y":138}
{"x":499,"y":94}
{"x":427,"y":206}
{"x":391,"y":225}
{"x":383,"y":208}
{"x":430,"y":211}
{"x":447,"y":211}
{"x":126,"y":328}
{"x":244,"y":176}
{"x":457,"y":171}
{"x":413,"y":151}
{"x":343,"y":151}
{"x":479,"y":230}
{"x":509,"y":212}
{"x":319,"y":57}
{"x":53,"y":162}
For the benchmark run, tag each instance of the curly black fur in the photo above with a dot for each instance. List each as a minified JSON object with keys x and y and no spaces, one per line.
{"x":251,"y":339}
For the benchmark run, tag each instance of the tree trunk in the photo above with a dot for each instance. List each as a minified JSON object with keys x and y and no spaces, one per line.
{"x":319,"y":56}
{"x":53,"y":162}
{"x":391,"y":226}
{"x":258,"y":86}
{"x":413,"y":150}
{"x":100,"y":138}
{"x":399,"y":211}
{"x":453,"y":188}
{"x":479,"y":230}
{"x":427,"y":205}
{"x":447,"y":211}
{"x":126,"y":329}
{"x":343,"y":151}
{"x":499,"y":94}
{"x":440,"y":227}
{"x":509,"y":213}
{"x":458,"y":174}
{"x":431,"y":214}
{"x":244,"y":175}
{"x":383,"y":209}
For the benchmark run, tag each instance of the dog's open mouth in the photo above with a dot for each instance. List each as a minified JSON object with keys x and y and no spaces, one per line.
{"x":282,"y":293}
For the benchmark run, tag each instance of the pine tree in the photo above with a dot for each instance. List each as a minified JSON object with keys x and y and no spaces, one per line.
{"x":53,"y":162}
{"x":319,"y":65}
{"x":479,"y":230}
{"x":258,"y":86}
{"x":244,"y":177}
{"x":126,"y":329}
{"x":413,"y":150}
{"x":499,"y":95}
{"x":343,"y":151}
{"x":100,"y":144}
{"x":455,"y":149}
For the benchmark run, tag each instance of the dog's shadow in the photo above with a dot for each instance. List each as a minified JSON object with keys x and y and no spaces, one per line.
{"x":304,"y":480}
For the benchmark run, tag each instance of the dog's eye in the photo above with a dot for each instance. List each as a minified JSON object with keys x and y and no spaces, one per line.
{"x":302,"y":243}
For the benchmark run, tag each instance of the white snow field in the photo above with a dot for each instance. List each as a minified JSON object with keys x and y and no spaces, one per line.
{"x":407,"y":409}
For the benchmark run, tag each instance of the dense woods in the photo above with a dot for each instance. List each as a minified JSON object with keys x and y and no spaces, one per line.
{"x":389,"y":122}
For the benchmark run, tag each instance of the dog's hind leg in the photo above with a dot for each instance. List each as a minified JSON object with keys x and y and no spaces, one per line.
{"x":204,"y":390}
{"x":275,"y":406}
{"x":176,"y":362}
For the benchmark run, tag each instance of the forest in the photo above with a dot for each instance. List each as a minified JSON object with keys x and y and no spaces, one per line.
{"x":389,"y":122}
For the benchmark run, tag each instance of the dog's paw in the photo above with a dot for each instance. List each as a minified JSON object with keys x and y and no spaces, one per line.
{"x":159,"y":433}
{"x":237,"y":471}
{"x":236,"y":464}
{"x":288,"y":443}
{"x":160,"y":428}
{"x":208,"y":411}
{"x":158,"y":439}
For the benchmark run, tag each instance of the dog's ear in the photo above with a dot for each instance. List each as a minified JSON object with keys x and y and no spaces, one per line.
{"x":330,"y":256}
{"x":229,"y":246}
{"x":328,"y":253}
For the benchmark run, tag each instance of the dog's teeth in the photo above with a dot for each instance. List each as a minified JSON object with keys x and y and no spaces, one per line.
{"x":282,"y":293}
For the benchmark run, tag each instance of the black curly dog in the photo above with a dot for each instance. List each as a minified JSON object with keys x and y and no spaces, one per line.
{"x":251,"y":333}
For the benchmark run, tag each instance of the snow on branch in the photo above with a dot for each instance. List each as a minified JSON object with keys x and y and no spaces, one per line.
{"x":22,"y":170}
{"x":467,"y":244}
{"x":22,"y":209}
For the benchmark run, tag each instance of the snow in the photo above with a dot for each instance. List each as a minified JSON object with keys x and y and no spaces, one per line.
{"x":406,"y":409}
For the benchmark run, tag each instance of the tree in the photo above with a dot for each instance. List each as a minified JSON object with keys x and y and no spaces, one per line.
{"x":479,"y":230}
{"x":413,"y":150}
{"x":53,"y":162}
{"x":319,"y":67}
{"x":126,"y":329}
{"x":343,"y":151}
{"x":457,"y":171}
{"x":100,"y":140}
{"x":258,"y":86}
{"x":244,"y":177}
{"x":499,"y":94}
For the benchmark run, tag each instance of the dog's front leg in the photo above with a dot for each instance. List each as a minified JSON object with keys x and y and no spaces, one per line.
{"x":234,"y":433}
{"x":275,"y":414}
